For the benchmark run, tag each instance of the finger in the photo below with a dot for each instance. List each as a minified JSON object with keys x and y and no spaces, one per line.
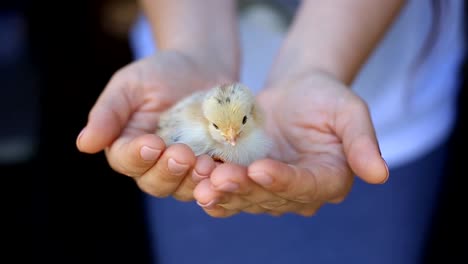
{"x":208,"y":200}
{"x":309,"y":211}
{"x":254,"y":209}
{"x":355,"y":127}
{"x":133,"y":157}
{"x":169,"y":171}
{"x":233,"y":202}
{"x":108,"y":116}
{"x":303,"y":209}
{"x":227,"y":177}
{"x":203,"y":168}
{"x":241,"y":193}
{"x":224,"y":195}
{"x":231,"y":178}
{"x":301,"y":184}
{"x":184,"y":191}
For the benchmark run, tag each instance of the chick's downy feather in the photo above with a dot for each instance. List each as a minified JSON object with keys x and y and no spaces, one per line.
{"x":224,"y":122}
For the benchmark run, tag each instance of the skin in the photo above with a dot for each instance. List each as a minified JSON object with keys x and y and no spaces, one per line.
{"x":123,"y":119}
{"x":319,"y":147}
{"x":322,"y":144}
{"x":315,"y":155}
{"x":196,"y":32}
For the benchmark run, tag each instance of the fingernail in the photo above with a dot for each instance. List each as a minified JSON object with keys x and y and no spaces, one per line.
{"x":149,"y":153}
{"x":197,"y":177}
{"x":388,"y":172}
{"x":79,"y":136}
{"x":176,"y":168}
{"x":210,"y":205}
{"x":261,"y":178}
{"x":227,"y":187}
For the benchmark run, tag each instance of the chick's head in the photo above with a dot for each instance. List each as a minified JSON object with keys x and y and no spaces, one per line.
{"x":231,"y":113}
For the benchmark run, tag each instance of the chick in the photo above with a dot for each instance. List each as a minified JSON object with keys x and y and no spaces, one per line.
{"x":224,"y":122}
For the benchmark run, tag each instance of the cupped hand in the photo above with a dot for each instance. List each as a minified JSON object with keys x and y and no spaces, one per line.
{"x":124,"y":118}
{"x":323,"y":136}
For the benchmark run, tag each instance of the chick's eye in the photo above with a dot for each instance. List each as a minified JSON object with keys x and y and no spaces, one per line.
{"x":215,"y":126}
{"x":244,"y":120}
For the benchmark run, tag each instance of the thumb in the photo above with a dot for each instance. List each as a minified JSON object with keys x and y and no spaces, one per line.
{"x":107,"y":118}
{"x":361,"y":148}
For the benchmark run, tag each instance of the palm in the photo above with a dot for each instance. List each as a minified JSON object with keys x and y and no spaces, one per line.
{"x":154,"y":84}
{"x":125,"y":116}
{"x":322,"y":133}
{"x":307,"y":122}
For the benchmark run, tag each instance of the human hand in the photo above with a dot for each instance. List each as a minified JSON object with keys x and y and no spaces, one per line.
{"x":124,"y":118}
{"x":324,"y":136}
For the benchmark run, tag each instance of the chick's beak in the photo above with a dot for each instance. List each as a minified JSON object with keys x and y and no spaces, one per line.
{"x":231,"y":136}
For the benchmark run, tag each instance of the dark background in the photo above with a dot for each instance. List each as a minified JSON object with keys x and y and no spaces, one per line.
{"x":62,"y":206}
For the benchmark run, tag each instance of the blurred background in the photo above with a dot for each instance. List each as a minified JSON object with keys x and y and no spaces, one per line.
{"x":62,"y":206}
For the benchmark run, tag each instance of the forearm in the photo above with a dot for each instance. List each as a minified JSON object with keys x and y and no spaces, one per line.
{"x":206,"y":29}
{"x":335,"y":36}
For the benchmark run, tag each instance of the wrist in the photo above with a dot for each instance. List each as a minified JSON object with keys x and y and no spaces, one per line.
{"x":296,"y":59}
{"x":206,"y":32}
{"x":317,"y":40}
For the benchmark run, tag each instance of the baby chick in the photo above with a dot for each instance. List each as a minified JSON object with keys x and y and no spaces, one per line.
{"x":224,"y":122}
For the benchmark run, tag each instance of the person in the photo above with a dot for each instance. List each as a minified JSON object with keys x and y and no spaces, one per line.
{"x":353,"y":92}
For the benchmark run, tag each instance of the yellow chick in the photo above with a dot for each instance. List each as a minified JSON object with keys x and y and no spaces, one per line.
{"x":224,"y":122}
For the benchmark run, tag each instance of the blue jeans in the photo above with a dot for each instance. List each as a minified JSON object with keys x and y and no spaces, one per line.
{"x":376,"y":224}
